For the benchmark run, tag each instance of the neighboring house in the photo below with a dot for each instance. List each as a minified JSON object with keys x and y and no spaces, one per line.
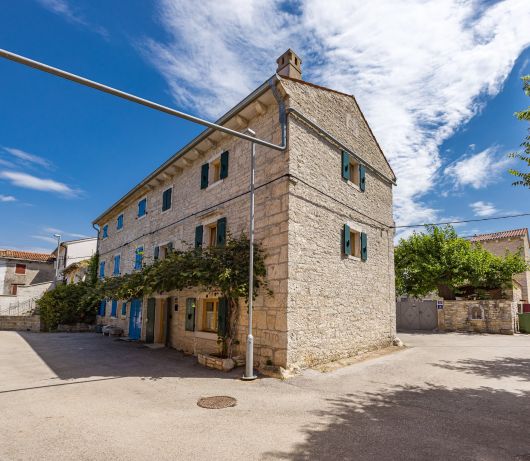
{"x":323,"y":216}
{"x":24,"y":275}
{"x":513,"y":241}
{"x":73,"y":259}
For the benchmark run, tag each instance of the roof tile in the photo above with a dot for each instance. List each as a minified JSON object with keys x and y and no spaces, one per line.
{"x":500,"y":235}
{"x":26,"y":255}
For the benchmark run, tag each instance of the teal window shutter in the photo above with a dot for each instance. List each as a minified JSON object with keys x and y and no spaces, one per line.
{"x":190,"y":314}
{"x":142,"y":207}
{"x":170,"y":247}
{"x":362,"y":177}
{"x":345,"y":165}
{"x":347,"y":240}
{"x":204,"y":175}
{"x":198,"y":236}
{"x":114,"y":310}
{"x":222,"y":317}
{"x":156,"y":253}
{"x":224,"y":165}
{"x":166,"y":199}
{"x":116,"y":265}
{"x":124,"y":309}
{"x":364,"y":246}
{"x":221,"y":232}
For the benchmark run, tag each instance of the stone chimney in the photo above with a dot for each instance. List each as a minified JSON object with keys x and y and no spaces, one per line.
{"x":289,"y":65}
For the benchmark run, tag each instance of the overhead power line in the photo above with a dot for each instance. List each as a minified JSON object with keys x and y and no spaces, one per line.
{"x":463,"y":221}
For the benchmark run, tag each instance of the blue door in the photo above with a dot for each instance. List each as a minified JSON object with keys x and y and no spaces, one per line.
{"x":135,"y":319}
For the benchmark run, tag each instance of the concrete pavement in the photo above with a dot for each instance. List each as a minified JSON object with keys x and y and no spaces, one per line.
{"x":85,"y":396}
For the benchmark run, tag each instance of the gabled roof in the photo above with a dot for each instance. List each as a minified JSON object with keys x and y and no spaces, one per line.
{"x":26,"y":256}
{"x":500,"y":235}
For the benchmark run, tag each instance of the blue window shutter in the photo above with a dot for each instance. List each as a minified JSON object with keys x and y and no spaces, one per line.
{"x":105,"y":231}
{"x":142,"y":207}
{"x":166,"y":199}
{"x":190,"y":314}
{"x":198,"y":236}
{"x":362,"y":177}
{"x":224,"y":165}
{"x":119,"y":224}
{"x":347,"y":240}
{"x":102,"y":306}
{"x":124,"y":309}
{"x":222,"y":317}
{"x":364,"y":246}
{"x":205,"y":169}
{"x":139,"y":258}
{"x":221,"y":232}
{"x":102,"y":269}
{"x":156,"y":253}
{"x":114,"y":310}
{"x":116,"y":265}
{"x":345,"y":165}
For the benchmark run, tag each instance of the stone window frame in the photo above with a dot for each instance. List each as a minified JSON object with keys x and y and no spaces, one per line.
{"x":215,"y":166}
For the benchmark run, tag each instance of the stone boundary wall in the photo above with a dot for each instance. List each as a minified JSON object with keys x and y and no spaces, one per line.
{"x":20,"y":323}
{"x":484,"y":316}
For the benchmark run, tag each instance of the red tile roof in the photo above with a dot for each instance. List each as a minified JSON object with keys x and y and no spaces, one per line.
{"x":500,"y":235}
{"x":26,"y":255}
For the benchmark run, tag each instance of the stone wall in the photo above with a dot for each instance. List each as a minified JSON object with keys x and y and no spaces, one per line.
{"x":494,"y":316}
{"x":338,"y":305}
{"x":36,"y":273}
{"x":20,"y":323}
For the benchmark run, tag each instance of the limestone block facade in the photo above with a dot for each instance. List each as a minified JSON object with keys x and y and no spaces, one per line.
{"x":326,"y":304}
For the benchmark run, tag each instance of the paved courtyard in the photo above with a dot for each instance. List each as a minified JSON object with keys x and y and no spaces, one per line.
{"x":85,"y":396}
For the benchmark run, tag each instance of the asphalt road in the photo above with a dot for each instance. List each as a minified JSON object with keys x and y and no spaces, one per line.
{"x":84,"y":396}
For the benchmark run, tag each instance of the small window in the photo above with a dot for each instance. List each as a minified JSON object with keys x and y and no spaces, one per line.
{"x":353,"y":171}
{"x":212,"y":235}
{"x":20,"y":269}
{"x":119,"y":222}
{"x":116,"y":270}
{"x":105,"y":231}
{"x":142,"y":207}
{"x":355,"y":243}
{"x":166,"y":199}
{"x":209,"y":315}
{"x":14,"y":289}
{"x":216,"y":170}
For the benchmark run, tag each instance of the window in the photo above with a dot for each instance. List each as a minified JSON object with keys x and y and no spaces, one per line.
{"x":355,"y":243}
{"x":218,"y":167}
{"x":114,"y":308}
{"x":116,"y":270}
{"x":119,"y":222}
{"x":216,"y":233}
{"x":124,"y":310}
{"x":216,"y":170}
{"x":209,"y":313}
{"x":191,"y":304}
{"x":142,"y":207}
{"x":14,"y":289}
{"x":353,"y":171}
{"x":138,"y":258}
{"x":20,"y":269}
{"x":212,"y":235}
{"x":102,"y":269}
{"x":166,"y":199}
{"x":162,"y":251}
{"x":105,"y":231}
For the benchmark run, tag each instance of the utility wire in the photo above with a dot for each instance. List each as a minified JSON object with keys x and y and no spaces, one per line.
{"x":463,"y":221}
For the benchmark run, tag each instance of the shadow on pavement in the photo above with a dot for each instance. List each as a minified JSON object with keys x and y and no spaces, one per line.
{"x":416,"y":423}
{"x":502,"y":367}
{"x":85,"y":355}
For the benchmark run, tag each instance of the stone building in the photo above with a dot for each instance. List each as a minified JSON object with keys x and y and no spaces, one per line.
{"x":513,"y":241}
{"x":24,"y":275}
{"x":323,"y":215}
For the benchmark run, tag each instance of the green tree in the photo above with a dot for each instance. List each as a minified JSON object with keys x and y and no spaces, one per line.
{"x":437,"y":258}
{"x":523,"y":178}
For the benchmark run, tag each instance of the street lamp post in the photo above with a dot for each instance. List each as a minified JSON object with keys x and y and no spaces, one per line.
{"x":249,"y":363}
{"x":57,"y":260}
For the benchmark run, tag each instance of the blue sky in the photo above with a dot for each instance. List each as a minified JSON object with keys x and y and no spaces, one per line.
{"x":438,"y":82}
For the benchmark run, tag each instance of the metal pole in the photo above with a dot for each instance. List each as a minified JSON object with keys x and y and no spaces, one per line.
{"x":249,"y":365}
{"x":130,"y":97}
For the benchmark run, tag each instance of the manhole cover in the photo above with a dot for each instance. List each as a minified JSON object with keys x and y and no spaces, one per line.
{"x":217,"y":402}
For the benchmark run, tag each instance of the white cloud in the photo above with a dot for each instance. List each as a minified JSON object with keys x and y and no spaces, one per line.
{"x":419,"y":68}
{"x":45,"y":238}
{"x":64,"y":9}
{"x":7,"y":198}
{"x":63,"y":233}
{"x":27,"y":158}
{"x":478,"y":170}
{"x":32,"y":182}
{"x":483,"y":209}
